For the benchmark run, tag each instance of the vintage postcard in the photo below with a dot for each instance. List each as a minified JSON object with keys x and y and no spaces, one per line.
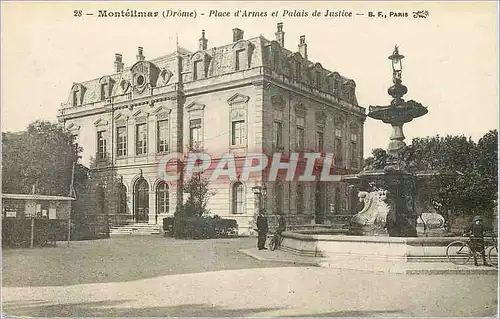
{"x":249,"y":159}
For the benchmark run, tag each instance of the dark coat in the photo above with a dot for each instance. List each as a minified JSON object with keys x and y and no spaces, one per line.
{"x":477,"y":231}
{"x":281,"y":223}
{"x":262,"y":225}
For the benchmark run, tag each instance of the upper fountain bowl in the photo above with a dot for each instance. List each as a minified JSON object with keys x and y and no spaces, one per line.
{"x":403,"y":112}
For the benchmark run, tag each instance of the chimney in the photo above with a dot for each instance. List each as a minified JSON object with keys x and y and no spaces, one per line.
{"x":237,"y":34}
{"x":140,"y":56}
{"x":280,"y":35}
{"x":303,"y":46}
{"x":203,"y":42}
{"x":118,"y":63}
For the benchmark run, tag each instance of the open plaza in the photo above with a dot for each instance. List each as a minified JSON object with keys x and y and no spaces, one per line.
{"x":153,"y":276}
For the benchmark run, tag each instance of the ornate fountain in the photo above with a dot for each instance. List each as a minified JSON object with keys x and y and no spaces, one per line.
{"x":385,"y":235}
{"x":388,"y":187}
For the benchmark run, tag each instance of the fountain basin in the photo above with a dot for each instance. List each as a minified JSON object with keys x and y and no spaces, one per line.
{"x":369,"y":253}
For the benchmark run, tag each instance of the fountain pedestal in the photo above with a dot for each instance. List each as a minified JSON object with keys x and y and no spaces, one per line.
{"x":389,"y":186}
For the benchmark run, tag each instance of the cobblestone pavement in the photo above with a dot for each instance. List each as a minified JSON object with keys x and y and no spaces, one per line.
{"x":153,"y":276}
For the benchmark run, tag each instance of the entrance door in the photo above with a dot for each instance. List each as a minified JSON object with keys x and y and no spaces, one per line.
{"x":141,"y":201}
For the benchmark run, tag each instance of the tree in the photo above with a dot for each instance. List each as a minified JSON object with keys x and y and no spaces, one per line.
{"x":198,"y":193}
{"x":43,"y":156}
{"x":96,"y":189}
{"x":466,"y":180}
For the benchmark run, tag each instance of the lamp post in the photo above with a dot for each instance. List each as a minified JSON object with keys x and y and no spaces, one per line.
{"x":257,"y":191}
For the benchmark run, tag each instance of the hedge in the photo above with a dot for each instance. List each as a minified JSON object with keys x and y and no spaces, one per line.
{"x":199,"y":227}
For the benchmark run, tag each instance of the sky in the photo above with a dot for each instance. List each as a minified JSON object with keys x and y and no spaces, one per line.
{"x":450,"y":63}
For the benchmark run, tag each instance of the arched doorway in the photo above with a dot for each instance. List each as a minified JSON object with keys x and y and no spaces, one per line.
{"x":141,"y":199}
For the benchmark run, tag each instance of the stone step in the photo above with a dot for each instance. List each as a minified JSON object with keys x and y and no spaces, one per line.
{"x":135,"y":229}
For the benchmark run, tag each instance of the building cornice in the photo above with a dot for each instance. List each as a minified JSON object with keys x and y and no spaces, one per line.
{"x":256,"y":76}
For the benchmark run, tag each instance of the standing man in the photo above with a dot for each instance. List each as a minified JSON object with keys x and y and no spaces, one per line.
{"x":262,"y":229}
{"x":281,"y":224}
{"x":476,"y":234}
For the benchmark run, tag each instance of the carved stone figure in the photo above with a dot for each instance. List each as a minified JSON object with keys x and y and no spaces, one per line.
{"x":371,"y":220}
{"x":164,"y":78}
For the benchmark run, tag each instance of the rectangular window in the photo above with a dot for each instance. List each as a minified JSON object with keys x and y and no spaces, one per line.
{"x":121,"y":141}
{"x":300,"y":122}
{"x":338,"y":151}
{"x":141,"y":138}
{"x":240,"y":60}
{"x":162,"y":135}
{"x":197,"y":70}
{"x":319,"y":141}
{"x":336,"y":91}
{"x":195,"y":134}
{"x":298,"y":71}
{"x":338,"y":133}
{"x":354,"y":137}
{"x":101,"y":145}
{"x":75,"y":98}
{"x":354,"y":154}
{"x":277,"y":136}
{"x":103,"y":92}
{"x":238,"y":133}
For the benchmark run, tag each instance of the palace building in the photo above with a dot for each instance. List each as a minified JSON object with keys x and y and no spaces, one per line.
{"x":249,"y":96}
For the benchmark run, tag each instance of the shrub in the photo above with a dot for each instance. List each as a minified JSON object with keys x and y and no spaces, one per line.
{"x":199,"y":227}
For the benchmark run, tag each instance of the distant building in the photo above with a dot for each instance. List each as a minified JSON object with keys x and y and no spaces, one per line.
{"x":251,"y":95}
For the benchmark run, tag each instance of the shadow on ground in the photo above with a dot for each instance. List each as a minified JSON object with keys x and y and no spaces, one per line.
{"x":121,"y":259}
{"x":109,"y":309}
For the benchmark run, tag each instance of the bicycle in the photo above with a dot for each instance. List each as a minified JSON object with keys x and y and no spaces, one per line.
{"x":460,"y":252}
{"x":275,"y":241}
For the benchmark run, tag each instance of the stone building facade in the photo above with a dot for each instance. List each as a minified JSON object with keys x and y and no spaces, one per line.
{"x":249,"y":96}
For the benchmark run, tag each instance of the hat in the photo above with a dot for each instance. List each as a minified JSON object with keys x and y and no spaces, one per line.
{"x":476,"y":218}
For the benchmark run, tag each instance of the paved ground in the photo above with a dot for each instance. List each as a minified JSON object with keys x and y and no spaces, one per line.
{"x":410,"y":268}
{"x":123,"y":258}
{"x":154,"y":276}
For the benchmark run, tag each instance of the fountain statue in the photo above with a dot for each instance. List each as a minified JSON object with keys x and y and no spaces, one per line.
{"x":390,"y":183}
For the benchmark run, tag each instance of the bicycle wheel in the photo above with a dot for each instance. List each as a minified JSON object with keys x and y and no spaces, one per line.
{"x":458,"y":252}
{"x":273,"y":243}
{"x":493,"y":255}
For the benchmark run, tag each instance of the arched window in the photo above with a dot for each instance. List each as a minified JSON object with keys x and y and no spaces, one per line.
{"x":121,"y":199}
{"x":162,"y":199}
{"x":278,"y":197}
{"x":238,"y":195}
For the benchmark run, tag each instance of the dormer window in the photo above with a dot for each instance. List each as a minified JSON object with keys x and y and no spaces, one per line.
{"x":196,"y":69}
{"x":318,"y":79}
{"x":103,"y":92}
{"x":336,"y":87}
{"x":75,"y":98}
{"x":298,"y":70}
{"x":201,"y":62}
{"x":77,"y":93}
{"x":242,"y":55}
{"x":106,"y":87}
